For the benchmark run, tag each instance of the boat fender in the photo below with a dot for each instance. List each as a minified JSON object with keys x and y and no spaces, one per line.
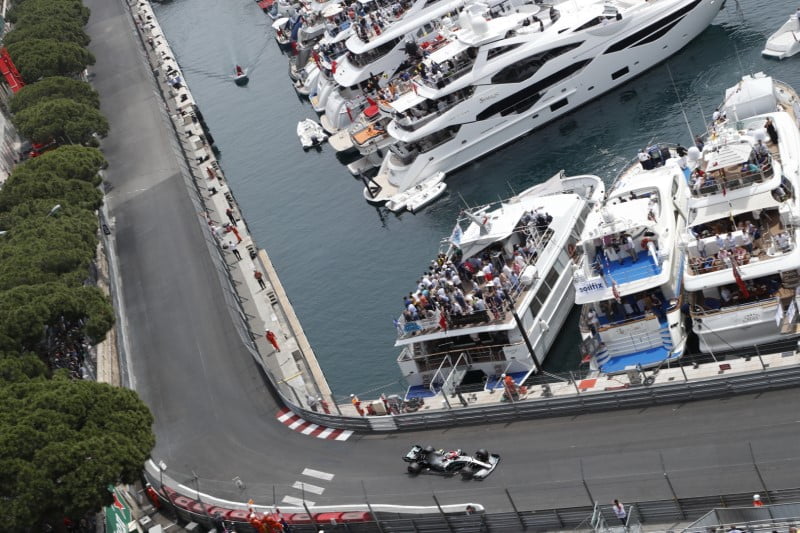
{"x":645,"y":242}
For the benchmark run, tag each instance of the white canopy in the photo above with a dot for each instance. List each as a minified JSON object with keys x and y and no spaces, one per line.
{"x":722,"y":210}
{"x":728,"y":155}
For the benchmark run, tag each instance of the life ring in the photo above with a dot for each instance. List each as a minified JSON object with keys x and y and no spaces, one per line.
{"x":645,"y":241}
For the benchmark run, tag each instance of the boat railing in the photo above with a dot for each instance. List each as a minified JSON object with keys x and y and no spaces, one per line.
{"x":699,"y":311}
{"x":769,"y":243}
{"x":413,"y":123}
{"x":738,"y":180}
{"x":473,"y":355}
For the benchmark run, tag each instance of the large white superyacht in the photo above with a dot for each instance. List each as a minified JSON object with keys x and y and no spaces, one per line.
{"x":495,"y":298}
{"x":508,"y":75}
{"x":743,"y":258}
{"x":629,"y":280}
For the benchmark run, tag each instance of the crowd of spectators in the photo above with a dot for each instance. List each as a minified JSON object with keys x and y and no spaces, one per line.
{"x":487,"y":282}
{"x":67,"y":347}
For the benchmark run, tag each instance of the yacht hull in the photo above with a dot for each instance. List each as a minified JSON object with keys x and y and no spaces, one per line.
{"x":476,"y":139}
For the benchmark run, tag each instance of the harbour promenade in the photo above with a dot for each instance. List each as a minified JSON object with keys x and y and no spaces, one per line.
{"x":188,"y":353}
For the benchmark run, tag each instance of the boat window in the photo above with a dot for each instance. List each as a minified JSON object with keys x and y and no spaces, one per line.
{"x":525,"y":68}
{"x":523,"y":100}
{"x":666,"y":23}
{"x":365,"y":58}
{"x":536,"y":305}
{"x":593,"y":22}
{"x":496,"y":51}
{"x":621,"y":72}
{"x":558,"y":105}
{"x":552,"y":278}
{"x":426,"y":144}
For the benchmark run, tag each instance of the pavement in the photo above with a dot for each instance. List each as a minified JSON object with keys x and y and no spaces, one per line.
{"x":216,"y":419}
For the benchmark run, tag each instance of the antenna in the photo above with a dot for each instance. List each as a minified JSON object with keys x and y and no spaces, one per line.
{"x":513,"y":192}
{"x":738,"y":60}
{"x":683,"y":111}
{"x":462,"y":199}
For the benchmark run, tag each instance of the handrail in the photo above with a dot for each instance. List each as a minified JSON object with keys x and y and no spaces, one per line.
{"x":737,"y":307}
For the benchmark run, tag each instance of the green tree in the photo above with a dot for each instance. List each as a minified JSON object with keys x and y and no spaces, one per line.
{"x":54,"y":87}
{"x":67,"y":162}
{"x":62,"y":442}
{"x":60,"y":119}
{"x":39,"y":58}
{"x":66,"y":30}
{"x":35,"y":11}
{"x":25,"y":186}
{"x":19,"y":367}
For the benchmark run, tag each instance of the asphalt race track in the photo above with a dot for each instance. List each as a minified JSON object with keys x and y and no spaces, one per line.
{"x":216,"y":417}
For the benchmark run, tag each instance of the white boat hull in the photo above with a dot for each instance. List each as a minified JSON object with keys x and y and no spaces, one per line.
{"x":785,"y":42}
{"x":310,"y":133}
{"x":423,"y":198}
{"x":475,"y":139}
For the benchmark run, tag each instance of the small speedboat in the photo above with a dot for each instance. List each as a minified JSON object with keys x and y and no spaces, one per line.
{"x":311,"y":133}
{"x":400,"y":201}
{"x":420,"y":199}
{"x":240,"y":76}
{"x":786,"y":41}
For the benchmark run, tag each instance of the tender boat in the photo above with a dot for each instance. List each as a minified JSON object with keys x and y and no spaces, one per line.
{"x":786,"y":41}
{"x":399,"y":201}
{"x":496,"y":296}
{"x":512,"y":72}
{"x":311,"y":133}
{"x":628,"y":281}
{"x":240,"y":76}
{"x":428,"y":194}
{"x":742,"y":246}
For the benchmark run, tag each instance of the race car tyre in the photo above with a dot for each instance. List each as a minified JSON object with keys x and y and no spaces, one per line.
{"x":467,"y":473}
{"x":414,"y":468}
{"x":429,"y":449}
{"x":482,"y":455}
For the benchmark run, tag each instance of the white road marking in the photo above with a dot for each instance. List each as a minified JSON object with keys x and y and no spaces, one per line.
{"x":324,"y":434}
{"x":286,"y":416}
{"x":297,"y":423}
{"x":345,"y":435}
{"x":317,"y":474}
{"x":291,"y":500}
{"x":309,"y":429}
{"x":307,"y":487}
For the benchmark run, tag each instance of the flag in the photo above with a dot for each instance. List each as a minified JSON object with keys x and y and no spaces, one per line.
{"x":443,"y":322}
{"x":739,"y":281}
{"x":615,"y":291}
{"x":455,"y":237}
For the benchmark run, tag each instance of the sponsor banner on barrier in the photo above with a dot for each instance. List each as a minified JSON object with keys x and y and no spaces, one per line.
{"x":590,"y":286}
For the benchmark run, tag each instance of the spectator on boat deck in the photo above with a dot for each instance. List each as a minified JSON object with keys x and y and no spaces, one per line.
{"x":728,"y":241}
{"x":725,"y":295}
{"x":629,"y":246}
{"x":747,"y":242}
{"x":760,"y":153}
{"x":594,"y":322}
{"x":771,"y":131}
{"x":783,"y":241}
{"x":724,"y":256}
{"x":698,"y":142}
{"x":644,"y":159}
{"x":479,"y":305}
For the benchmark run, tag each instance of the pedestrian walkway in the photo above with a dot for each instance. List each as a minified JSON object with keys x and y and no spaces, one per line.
{"x":295,"y":423}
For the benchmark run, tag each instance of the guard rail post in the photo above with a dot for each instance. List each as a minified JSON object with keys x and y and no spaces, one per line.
{"x":758,"y":472}
{"x":444,"y":516}
{"x":516,"y":511}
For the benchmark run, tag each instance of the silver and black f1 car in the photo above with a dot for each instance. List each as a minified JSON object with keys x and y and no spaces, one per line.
{"x":427,"y":459}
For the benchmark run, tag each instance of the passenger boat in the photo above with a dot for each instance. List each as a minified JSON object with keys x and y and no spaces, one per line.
{"x":786,"y":41}
{"x":742,"y":266}
{"x":628,"y":281}
{"x":310,"y":133}
{"x":507,"y":75}
{"x":496,"y":296}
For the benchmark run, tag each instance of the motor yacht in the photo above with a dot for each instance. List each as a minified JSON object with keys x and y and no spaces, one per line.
{"x":496,"y":296}
{"x":628,"y":281}
{"x":742,"y":255}
{"x":503,"y":76}
{"x":786,"y":41}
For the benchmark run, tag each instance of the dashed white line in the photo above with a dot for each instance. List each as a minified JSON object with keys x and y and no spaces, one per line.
{"x":286,"y":416}
{"x":307,"y":487}
{"x":324,"y":434}
{"x":297,"y":423}
{"x":345,"y":435}
{"x":317,"y":474}
{"x":291,"y":500}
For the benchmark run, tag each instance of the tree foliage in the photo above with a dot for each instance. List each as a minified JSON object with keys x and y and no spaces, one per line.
{"x":38,"y":58}
{"x":44,"y":186}
{"x":35,"y":11}
{"x":62,"y":442}
{"x":60,"y":119}
{"x":55,"y":87}
{"x":67,"y":162}
{"x":66,"y":30}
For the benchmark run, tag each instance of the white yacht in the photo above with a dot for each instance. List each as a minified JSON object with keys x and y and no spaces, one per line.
{"x":495,"y":300}
{"x":505,"y":76}
{"x":629,"y":279}
{"x":743,"y":259}
{"x":786,"y":41}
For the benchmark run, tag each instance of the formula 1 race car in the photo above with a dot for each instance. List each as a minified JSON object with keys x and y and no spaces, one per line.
{"x":441,"y":462}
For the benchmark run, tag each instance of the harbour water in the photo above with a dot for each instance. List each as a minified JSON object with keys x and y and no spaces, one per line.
{"x":345,"y":264}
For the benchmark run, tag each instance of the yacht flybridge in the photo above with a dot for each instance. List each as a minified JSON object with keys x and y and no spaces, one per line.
{"x":500,"y":77}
